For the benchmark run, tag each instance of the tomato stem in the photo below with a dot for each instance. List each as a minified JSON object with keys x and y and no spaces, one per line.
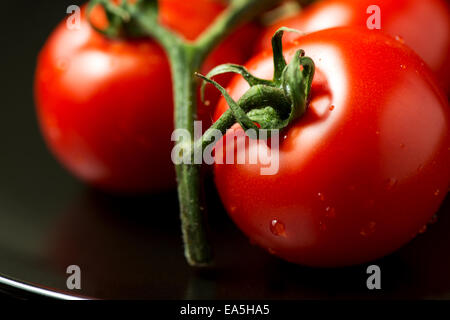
{"x":288,"y":91}
{"x":186,"y":58}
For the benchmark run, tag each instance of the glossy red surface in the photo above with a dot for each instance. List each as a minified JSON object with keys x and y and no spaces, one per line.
{"x":423,"y":25}
{"x":363,"y":171}
{"x":106,"y":107}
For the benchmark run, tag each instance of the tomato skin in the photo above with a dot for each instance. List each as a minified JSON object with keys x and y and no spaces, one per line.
{"x":105,"y":106}
{"x":362,"y":171}
{"x":423,"y":25}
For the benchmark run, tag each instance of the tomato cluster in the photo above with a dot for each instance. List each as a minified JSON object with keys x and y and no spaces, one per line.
{"x":359,"y":174}
{"x":105,"y":105}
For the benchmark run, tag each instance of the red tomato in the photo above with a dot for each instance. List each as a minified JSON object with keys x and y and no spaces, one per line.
{"x":423,"y":25}
{"x":362,"y":171}
{"x":105,"y":106}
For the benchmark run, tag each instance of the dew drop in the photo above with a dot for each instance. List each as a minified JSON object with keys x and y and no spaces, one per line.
{"x":331,"y":108}
{"x":321,"y":196}
{"x":207,"y":103}
{"x":391,"y":183}
{"x":437,"y":192}
{"x":399,"y":39}
{"x":403,"y":66}
{"x":277,"y":228}
{"x":377,"y":133}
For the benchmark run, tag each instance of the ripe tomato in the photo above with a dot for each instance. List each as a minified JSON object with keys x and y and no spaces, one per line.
{"x":362,"y":171}
{"x":423,"y":25}
{"x":105,"y":106}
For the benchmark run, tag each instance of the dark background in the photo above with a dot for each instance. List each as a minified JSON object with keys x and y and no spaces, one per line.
{"x":131,"y":247}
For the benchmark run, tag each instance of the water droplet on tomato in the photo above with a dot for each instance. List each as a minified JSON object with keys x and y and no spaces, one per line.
{"x":321,"y":196}
{"x":403,"y":66}
{"x":277,"y":228}
{"x":391,"y":183}
{"x":377,"y":133}
{"x":207,"y":103}
{"x":399,"y":39}
{"x":331,"y":108}
{"x":233,"y":209}
{"x":437,"y":192}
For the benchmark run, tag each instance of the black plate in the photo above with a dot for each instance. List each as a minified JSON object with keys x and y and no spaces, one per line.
{"x":131,"y":247}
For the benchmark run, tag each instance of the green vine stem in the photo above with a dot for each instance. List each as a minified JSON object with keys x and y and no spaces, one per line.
{"x":186,"y":58}
{"x":141,"y":19}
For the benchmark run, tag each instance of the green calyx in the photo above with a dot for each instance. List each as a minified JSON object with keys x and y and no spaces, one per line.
{"x":270,"y":104}
{"x":122,"y":16}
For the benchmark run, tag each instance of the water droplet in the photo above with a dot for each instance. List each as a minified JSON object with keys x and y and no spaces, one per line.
{"x":277,"y":228}
{"x":437,"y":192}
{"x":403,"y":66}
{"x":331,"y":108}
{"x":330,"y":212}
{"x":391,"y":183}
{"x":399,"y":39}
{"x":207,"y":103}
{"x":285,"y":137}
{"x":321,"y":196}
{"x":423,"y":229}
{"x":377,"y":133}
